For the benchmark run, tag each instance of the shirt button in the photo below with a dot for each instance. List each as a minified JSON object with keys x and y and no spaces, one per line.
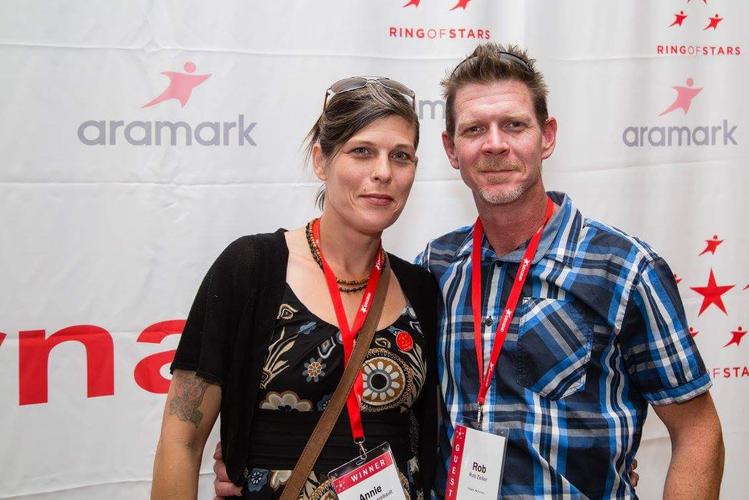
{"x":488,"y":321}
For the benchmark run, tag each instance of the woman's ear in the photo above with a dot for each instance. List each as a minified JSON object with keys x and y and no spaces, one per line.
{"x":318,"y":162}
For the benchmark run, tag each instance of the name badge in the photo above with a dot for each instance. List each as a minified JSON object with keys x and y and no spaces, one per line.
{"x":370,"y":477}
{"x":475,"y":464}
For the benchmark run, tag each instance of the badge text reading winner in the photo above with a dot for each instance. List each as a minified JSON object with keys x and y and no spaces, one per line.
{"x":356,"y":476}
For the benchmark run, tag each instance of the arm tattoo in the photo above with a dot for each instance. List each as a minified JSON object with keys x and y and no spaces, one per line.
{"x":189,"y":390}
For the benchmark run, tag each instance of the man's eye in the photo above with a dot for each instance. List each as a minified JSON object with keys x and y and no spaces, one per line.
{"x":516,"y":125}
{"x":474,"y":129}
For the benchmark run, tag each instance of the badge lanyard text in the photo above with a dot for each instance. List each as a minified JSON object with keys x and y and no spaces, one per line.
{"x":509,"y":311}
{"x":348,"y":334}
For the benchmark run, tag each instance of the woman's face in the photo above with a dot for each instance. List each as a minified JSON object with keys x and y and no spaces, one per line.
{"x":367,"y":182}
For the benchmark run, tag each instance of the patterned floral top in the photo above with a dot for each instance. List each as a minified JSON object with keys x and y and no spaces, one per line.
{"x":303,"y":366}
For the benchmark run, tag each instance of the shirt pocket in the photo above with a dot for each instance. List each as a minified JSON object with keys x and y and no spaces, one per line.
{"x":553,"y":348}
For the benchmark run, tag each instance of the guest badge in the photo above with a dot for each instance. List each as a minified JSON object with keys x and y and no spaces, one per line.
{"x":372,"y":476}
{"x":476,"y":463}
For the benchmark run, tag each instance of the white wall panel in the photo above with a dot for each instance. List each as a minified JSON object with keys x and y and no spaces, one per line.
{"x":118,"y":235}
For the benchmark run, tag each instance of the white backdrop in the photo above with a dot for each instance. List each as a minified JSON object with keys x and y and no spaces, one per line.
{"x":111,"y":211}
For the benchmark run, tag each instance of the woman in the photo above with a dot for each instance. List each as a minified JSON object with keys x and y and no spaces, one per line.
{"x":262,"y":343}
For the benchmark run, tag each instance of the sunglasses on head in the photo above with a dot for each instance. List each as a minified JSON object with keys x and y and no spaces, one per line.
{"x":359,"y":82}
{"x":503,"y":56}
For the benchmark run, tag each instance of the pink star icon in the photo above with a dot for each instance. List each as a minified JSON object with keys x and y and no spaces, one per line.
{"x":712,"y":245}
{"x":692,"y":331}
{"x":180,"y":85}
{"x":713,"y":22}
{"x":679,"y":19}
{"x":415,"y":3}
{"x":712,"y":293}
{"x":684,"y":96}
{"x":737,"y":336}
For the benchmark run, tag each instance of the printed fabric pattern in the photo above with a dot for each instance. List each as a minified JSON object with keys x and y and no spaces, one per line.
{"x":303,"y":366}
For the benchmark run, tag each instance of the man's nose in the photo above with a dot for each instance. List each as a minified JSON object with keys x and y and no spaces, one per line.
{"x":496,"y":141}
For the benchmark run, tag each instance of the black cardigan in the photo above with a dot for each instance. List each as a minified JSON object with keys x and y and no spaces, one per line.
{"x":226,"y":338}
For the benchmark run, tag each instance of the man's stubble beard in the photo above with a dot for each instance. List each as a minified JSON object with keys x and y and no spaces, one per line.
{"x":503,"y":196}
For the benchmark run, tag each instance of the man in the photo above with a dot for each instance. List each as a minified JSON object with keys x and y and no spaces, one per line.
{"x":599,"y":331}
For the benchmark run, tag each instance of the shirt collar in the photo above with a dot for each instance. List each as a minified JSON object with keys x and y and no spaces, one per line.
{"x":559,"y":224}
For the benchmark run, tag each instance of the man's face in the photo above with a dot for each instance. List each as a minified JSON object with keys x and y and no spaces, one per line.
{"x":498,"y":144}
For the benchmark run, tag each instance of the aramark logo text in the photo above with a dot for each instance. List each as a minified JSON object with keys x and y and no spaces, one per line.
{"x":718,"y":134}
{"x":165,"y":132}
{"x":431,"y":109}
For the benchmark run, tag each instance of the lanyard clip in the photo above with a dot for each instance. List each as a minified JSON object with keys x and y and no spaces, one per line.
{"x":362,"y":449}
{"x":479,"y":415}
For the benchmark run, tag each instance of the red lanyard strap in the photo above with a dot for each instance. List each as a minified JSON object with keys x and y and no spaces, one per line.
{"x":509,"y":311}
{"x":348,"y":334}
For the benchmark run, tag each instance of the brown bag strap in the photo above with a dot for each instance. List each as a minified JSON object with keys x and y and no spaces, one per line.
{"x":324,"y":426}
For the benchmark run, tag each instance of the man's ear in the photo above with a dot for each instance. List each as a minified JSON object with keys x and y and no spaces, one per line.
{"x":318,"y":162}
{"x":549,"y":137}
{"x":449,"y":144}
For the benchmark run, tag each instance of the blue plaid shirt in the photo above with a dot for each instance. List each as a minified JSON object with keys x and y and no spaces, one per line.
{"x":598,"y":334}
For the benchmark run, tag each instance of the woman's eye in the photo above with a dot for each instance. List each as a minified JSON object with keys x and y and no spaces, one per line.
{"x":361,"y":150}
{"x":402,"y":156}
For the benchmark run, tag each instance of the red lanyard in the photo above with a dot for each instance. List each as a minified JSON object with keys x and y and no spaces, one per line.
{"x":476,"y":304}
{"x":348,"y":334}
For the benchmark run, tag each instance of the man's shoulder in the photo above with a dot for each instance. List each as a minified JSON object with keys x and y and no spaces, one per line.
{"x":600,"y":238}
{"x":444,"y":249}
{"x":454,"y":238}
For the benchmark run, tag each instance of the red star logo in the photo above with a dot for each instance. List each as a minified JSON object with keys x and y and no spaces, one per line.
{"x":679,"y":19}
{"x":2,"y":338}
{"x":180,"y":86}
{"x":737,"y":335}
{"x":713,"y":22}
{"x":684,"y":97}
{"x":712,"y":293}
{"x":461,"y":4}
{"x":712,"y":245}
{"x":677,"y":278}
{"x":415,"y":3}
{"x":692,"y":331}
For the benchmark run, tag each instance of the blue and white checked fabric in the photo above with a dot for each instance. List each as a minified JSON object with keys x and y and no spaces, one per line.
{"x":599,"y":333}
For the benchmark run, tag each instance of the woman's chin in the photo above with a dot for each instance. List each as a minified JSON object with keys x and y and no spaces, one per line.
{"x":374,"y":223}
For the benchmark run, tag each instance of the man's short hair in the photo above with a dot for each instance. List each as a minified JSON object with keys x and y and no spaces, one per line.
{"x":492,"y":62}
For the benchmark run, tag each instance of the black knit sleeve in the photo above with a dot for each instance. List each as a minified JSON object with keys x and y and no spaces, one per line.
{"x":428,"y":405}
{"x":206,"y":342}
